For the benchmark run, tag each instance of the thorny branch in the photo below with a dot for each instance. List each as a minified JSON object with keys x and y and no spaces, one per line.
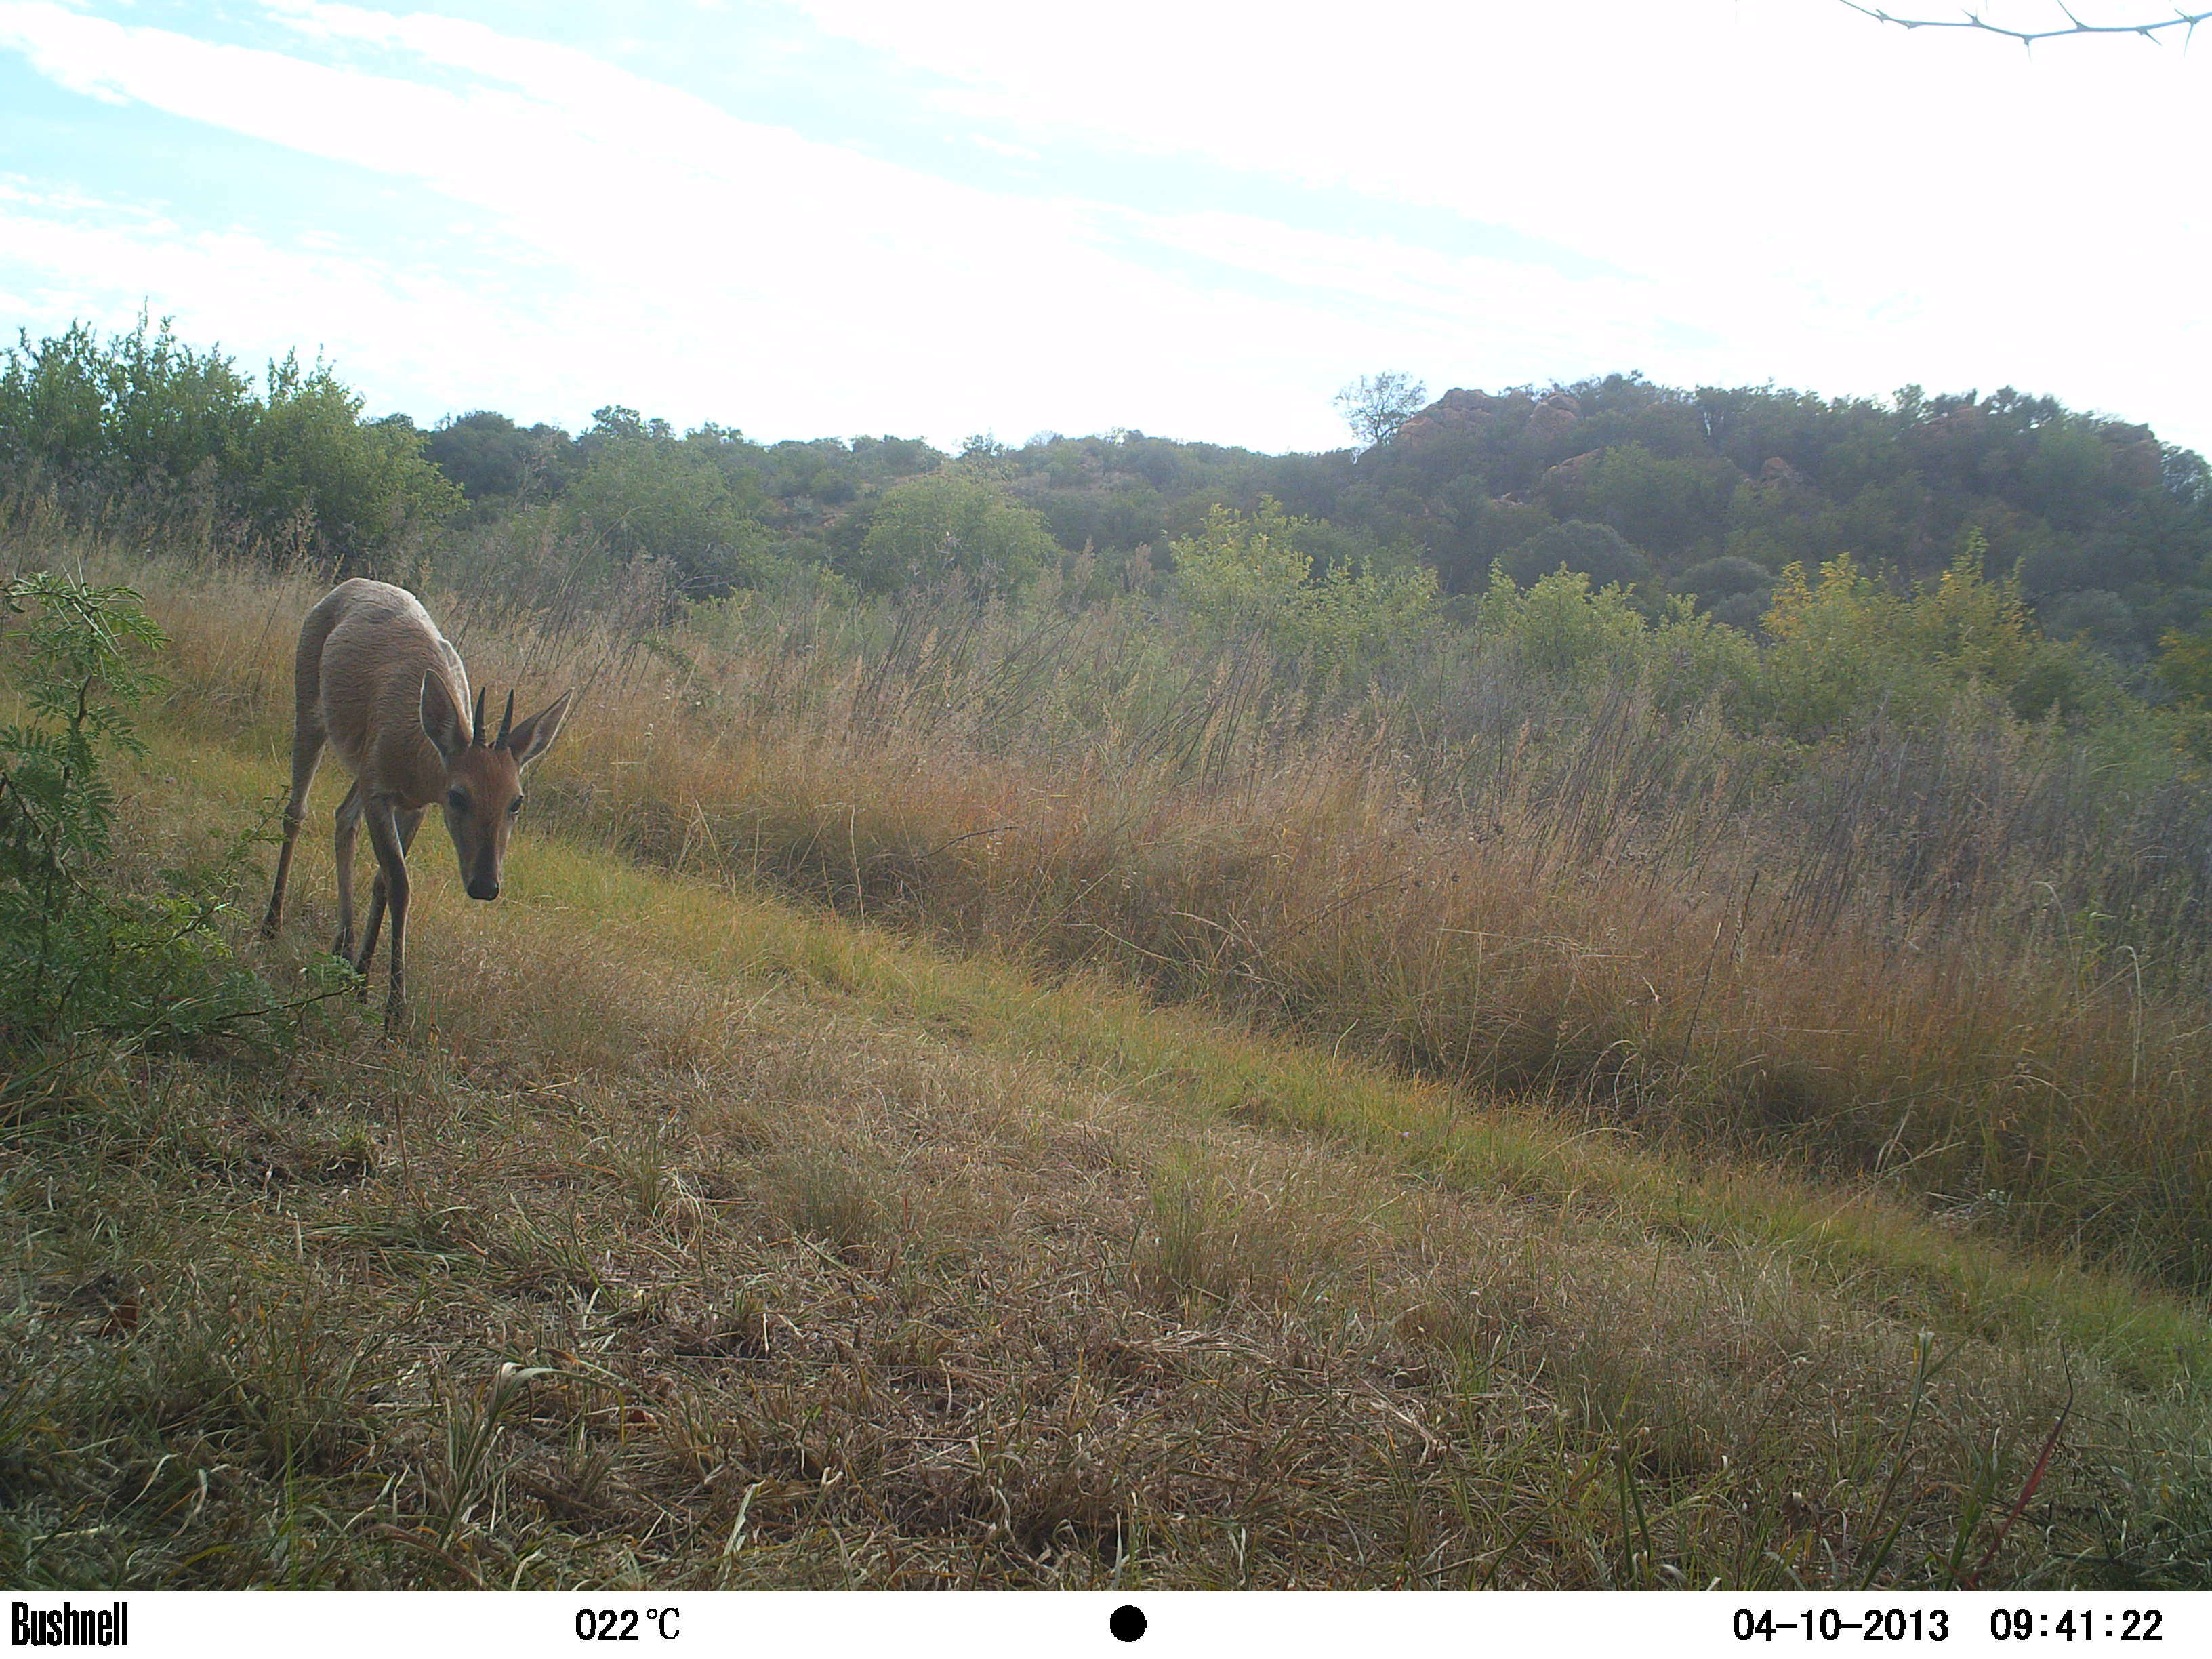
{"x":2184,"y":20}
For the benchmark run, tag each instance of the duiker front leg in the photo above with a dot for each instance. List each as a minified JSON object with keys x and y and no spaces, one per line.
{"x":307,"y":752}
{"x":409,"y":822}
{"x":389,"y":832}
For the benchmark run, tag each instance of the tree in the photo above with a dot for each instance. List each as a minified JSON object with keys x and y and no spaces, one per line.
{"x":143,"y":411}
{"x":646,"y":494}
{"x":487,"y":454}
{"x":309,"y":461}
{"x":1376,"y":405}
{"x":1596,"y":551}
{"x":927,"y":527}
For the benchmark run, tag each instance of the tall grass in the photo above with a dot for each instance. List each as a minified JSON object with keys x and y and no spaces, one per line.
{"x":1966,"y":961}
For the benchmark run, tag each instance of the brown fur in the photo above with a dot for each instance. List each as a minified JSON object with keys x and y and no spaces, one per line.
{"x":377,"y":682}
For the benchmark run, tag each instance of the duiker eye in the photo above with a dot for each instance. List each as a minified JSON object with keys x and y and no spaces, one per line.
{"x":515,"y":805}
{"x":458,"y":800}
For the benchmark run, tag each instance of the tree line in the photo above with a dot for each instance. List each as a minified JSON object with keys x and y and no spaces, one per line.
{"x":1705,"y":496}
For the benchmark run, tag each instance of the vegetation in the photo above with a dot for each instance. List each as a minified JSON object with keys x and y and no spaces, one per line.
{"x":702,"y":1241}
{"x":91,"y":973}
{"x":145,"y":425}
{"x":1602,"y":992}
{"x":1709,"y":493}
{"x":1376,"y":405}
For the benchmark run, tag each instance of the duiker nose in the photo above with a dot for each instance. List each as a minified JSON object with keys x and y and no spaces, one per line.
{"x":483,"y":887}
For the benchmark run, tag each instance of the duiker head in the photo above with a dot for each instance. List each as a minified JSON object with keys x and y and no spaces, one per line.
{"x":483,"y":780}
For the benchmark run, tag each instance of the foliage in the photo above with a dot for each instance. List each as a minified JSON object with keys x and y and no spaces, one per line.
{"x":87,"y":972}
{"x":648,"y":495}
{"x":2184,"y":665}
{"x":1561,"y":629}
{"x":142,"y":410}
{"x":1694,"y":657}
{"x":1595,"y":550}
{"x":1248,"y":576}
{"x":1652,"y":501}
{"x":355,"y":486}
{"x":950,"y":523}
{"x":2075,"y":502}
{"x":490,"y":457}
{"x":1846,"y":647}
{"x":145,"y":420}
{"x":1664,"y":490}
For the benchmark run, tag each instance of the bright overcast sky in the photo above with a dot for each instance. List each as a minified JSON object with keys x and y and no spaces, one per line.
{"x":819,"y":217}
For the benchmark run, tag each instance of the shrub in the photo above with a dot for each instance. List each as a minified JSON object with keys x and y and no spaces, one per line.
{"x":309,"y":460}
{"x":928,"y":528}
{"x":144,"y":420}
{"x":1847,"y":645}
{"x":1561,"y":630}
{"x":652,"y":496}
{"x":143,"y":411}
{"x":1247,"y":575}
{"x":87,"y":972}
{"x":1595,"y":550}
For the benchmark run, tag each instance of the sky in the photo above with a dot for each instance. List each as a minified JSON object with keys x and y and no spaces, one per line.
{"x":807,"y":218}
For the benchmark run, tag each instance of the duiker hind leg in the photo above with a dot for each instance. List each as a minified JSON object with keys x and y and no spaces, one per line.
{"x":348,"y":821}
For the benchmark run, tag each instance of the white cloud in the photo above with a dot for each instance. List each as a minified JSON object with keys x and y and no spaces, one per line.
{"x":999,"y":147}
{"x":1843,"y":203}
{"x":703,"y":264}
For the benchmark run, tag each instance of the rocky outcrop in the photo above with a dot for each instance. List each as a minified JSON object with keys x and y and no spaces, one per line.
{"x":1776,"y":470}
{"x":1554,"y":415}
{"x":1457,"y":407}
{"x":1568,"y":473}
{"x":1463,"y":406}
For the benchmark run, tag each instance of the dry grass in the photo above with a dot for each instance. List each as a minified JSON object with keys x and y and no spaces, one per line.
{"x":692,"y":1239}
{"x":1893,"y":968}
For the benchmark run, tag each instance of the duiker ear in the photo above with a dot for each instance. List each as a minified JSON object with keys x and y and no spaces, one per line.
{"x":527,"y":741}
{"x":443,"y":723}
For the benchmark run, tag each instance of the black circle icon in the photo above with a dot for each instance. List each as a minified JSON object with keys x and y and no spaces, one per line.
{"x":1128,"y":1622}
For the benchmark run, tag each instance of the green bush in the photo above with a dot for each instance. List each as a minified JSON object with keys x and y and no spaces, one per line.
{"x":1247,"y":575}
{"x":649,"y":495}
{"x":1561,"y":629}
{"x":144,"y":420}
{"x":1847,"y":645}
{"x":351,"y":487}
{"x":143,"y":411}
{"x":1596,"y":551}
{"x":927,"y":528}
{"x":87,"y":972}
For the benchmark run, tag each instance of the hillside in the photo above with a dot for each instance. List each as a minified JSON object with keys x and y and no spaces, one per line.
{"x":701,"y":1231}
{"x":1708,"y":492}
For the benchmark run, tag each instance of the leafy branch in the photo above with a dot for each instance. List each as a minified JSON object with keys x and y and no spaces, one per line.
{"x":88,"y":969}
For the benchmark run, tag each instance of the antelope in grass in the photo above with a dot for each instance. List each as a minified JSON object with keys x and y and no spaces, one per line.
{"x":376,"y":680}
